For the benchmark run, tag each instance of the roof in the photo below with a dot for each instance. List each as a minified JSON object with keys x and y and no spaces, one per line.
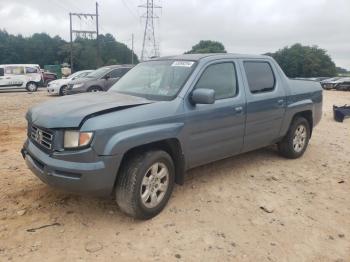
{"x":117,"y":66}
{"x":196,"y":57}
{"x":20,"y":65}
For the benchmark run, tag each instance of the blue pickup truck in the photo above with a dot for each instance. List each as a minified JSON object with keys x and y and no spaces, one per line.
{"x":163,"y":117}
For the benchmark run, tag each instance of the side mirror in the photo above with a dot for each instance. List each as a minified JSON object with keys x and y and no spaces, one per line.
{"x":203,"y":96}
{"x":108,"y":76}
{"x":2,"y":72}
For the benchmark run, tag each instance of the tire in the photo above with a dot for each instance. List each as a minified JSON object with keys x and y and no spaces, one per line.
{"x":63,"y":90}
{"x":296,"y":140}
{"x":32,"y":86}
{"x":132,"y":184}
{"x":95,"y":89}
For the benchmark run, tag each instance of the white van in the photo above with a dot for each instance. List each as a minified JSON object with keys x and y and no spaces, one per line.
{"x":26,"y":76}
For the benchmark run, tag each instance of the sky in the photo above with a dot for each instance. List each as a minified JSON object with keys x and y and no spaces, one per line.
{"x":250,"y":27}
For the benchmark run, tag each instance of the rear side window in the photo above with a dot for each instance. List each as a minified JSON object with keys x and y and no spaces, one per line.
{"x":260,"y":76}
{"x":14,"y":70}
{"x":31,"y":70}
{"x":221,"y":78}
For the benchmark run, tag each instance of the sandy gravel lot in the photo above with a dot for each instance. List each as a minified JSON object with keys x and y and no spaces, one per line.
{"x":215,"y":216}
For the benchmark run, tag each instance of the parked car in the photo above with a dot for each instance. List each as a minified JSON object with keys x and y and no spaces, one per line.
{"x":329,"y":84}
{"x":343,"y":84}
{"x":59,"y":86}
{"x":164,"y":117}
{"x":17,"y":76}
{"x":48,"y":77}
{"x":99,"y":80}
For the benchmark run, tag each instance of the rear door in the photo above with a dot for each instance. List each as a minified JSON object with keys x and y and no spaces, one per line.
{"x":266,"y":102}
{"x":13,"y":77}
{"x":215,"y":131}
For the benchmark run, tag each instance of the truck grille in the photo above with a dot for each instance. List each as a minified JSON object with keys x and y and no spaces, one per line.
{"x":42,"y":137}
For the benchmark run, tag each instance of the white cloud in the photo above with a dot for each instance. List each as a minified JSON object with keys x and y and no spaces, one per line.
{"x":253,"y":26}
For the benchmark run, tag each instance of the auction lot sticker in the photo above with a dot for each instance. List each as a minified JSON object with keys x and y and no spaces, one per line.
{"x":183,"y":63}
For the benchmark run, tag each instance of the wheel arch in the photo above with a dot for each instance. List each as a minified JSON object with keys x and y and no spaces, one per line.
{"x":307,"y":114}
{"x":94,"y":86}
{"x":171,"y":145}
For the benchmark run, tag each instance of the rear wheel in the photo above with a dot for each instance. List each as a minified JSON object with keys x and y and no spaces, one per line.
{"x":296,"y":141}
{"x":145,"y":183}
{"x":32,"y":86}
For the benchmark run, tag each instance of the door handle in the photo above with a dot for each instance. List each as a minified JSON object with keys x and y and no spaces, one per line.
{"x":280,"y":102}
{"x":238,"y":109}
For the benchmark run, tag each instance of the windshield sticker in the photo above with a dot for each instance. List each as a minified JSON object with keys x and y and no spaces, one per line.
{"x":183,"y":63}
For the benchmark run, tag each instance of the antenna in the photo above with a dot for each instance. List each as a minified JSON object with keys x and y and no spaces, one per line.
{"x":149,"y":44}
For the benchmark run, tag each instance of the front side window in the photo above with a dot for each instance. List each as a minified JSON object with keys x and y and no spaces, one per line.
{"x":155,"y":80}
{"x":221,"y":78}
{"x":115,"y":73}
{"x":260,"y":76}
{"x":31,"y":70}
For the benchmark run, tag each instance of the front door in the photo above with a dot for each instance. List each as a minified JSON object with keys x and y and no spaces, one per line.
{"x":215,"y":131}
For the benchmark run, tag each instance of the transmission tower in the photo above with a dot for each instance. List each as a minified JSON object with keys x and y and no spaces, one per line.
{"x":149,"y":44}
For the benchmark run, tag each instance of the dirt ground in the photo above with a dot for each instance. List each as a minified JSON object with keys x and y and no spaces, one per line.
{"x":215,"y":216}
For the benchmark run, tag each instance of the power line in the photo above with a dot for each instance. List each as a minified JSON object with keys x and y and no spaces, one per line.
{"x":84,"y":33}
{"x":129,"y":9}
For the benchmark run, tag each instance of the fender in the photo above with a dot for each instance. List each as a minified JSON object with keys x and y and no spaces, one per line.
{"x":292,"y":109}
{"x":125,"y":140}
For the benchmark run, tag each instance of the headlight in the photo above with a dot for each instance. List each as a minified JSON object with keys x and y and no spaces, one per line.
{"x":75,"y":139}
{"x":78,"y":85}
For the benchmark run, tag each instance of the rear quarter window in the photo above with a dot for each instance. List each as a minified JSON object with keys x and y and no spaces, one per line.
{"x":260,"y":76}
{"x":14,"y":70}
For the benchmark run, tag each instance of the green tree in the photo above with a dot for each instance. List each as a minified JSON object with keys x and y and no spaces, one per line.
{"x":207,"y":46}
{"x":43,"y":49}
{"x":304,"y":61}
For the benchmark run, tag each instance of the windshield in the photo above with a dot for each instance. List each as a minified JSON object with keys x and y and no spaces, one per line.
{"x":98,"y":73}
{"x":155,"y":80}
{"x":74,"y":75}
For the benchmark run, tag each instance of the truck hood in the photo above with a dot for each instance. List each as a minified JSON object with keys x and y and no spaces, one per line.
{"x":71,"y":111}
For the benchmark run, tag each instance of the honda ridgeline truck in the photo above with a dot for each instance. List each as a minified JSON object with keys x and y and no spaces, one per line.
{"x":163,"y":117}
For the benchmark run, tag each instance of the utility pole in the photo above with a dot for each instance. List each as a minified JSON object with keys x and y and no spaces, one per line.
{"x":149,"y":45}
{"x":132,"y":49}
{"x":71,"y":42}
{"x":84,"y":33}
{"x":97,"y":40}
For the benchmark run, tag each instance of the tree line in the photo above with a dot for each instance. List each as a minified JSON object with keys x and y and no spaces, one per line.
{"x":296,"y":61}
{"x":43,"y":49}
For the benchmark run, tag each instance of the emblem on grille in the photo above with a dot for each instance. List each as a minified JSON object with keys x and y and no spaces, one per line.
{"x":39,"y":135}
{"x":42,"y":137}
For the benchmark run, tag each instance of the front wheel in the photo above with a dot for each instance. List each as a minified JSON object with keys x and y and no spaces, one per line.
{"x":296,"y":141}
{"x":63,"y":90}
{"x":145,"y":183}
{"x":32,"y":86}
{"x":95,"y":89}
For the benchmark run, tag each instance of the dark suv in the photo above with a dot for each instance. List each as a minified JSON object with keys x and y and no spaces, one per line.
{"x":99,"y":80}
